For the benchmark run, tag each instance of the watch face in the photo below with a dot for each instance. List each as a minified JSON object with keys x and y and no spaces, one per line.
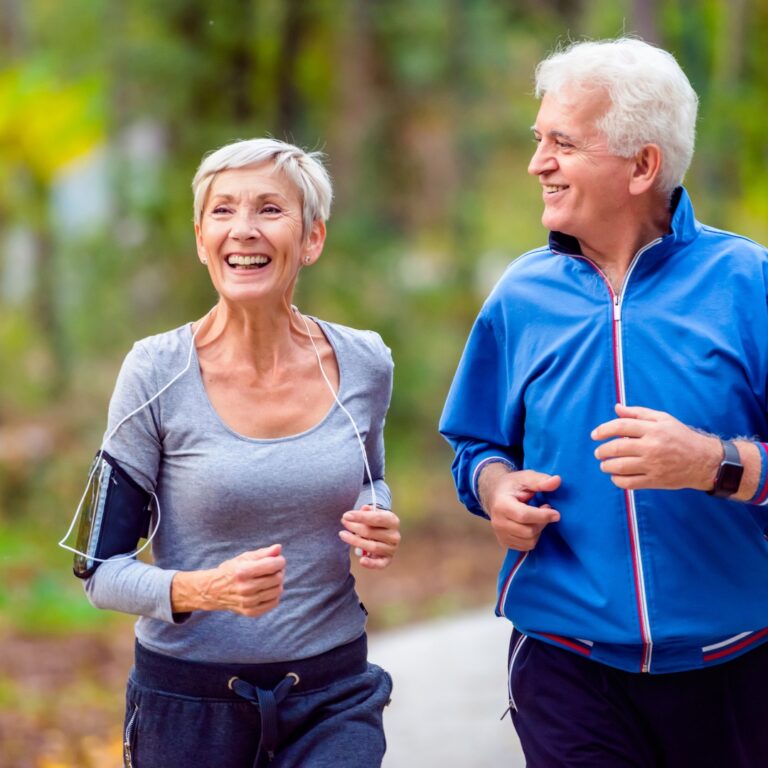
{"x":729,"y":478}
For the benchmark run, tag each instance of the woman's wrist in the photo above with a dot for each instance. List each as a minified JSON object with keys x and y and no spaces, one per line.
{"x":190,"y":591}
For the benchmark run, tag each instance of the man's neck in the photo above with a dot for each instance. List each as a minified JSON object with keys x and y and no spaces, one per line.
{"x":616,"y":251}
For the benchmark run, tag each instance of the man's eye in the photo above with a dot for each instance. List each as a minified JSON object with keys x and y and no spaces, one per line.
{"x":564,"y":145}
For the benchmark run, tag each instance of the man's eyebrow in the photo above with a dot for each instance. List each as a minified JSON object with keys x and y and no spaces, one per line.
{"x":555,"y":135}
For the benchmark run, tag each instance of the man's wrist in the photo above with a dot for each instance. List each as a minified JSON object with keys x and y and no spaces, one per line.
{"x":752,"y":461}
{"x":709,"y":460}
{"x":488,"y":476}
{"x":751,"y":458}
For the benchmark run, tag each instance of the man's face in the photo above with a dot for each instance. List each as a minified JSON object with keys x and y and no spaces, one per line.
{"x":584,"y":184}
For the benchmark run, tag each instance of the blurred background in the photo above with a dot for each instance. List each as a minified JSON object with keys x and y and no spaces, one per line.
{"x":424,"y":109}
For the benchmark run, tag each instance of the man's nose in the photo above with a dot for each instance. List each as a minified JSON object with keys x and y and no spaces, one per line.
{"x":542,"y":160}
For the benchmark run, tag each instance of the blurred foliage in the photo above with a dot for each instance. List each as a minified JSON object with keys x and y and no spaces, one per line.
{"x":423,"y":110}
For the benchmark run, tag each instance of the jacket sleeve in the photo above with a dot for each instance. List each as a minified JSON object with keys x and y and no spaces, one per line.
{"x":760,"y":498}
{"x":482,"y":416}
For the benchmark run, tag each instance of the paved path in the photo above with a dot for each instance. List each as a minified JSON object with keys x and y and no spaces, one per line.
{"x":450,"y":690}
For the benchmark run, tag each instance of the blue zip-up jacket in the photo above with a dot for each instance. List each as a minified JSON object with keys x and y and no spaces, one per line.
{"x":647,"y":580}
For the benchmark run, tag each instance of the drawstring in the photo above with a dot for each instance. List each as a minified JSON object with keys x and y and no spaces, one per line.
{"x":266,"y":702}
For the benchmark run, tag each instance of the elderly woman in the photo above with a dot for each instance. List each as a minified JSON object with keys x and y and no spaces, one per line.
{"x":257,"y":433}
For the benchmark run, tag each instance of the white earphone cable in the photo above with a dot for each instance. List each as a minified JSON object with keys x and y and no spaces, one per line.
{"x":96,"y":463}
{"x":341,"y":405}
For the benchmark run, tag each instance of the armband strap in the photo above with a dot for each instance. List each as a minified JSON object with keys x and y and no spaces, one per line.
{"x":116,"y":516}
{"x":761,"y":494}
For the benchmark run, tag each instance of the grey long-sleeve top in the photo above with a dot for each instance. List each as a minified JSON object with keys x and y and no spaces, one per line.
{"x":222,"y":493}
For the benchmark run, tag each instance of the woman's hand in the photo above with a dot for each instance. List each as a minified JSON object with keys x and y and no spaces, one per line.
{"x":374,"y":531}
{"x":250,"y":584}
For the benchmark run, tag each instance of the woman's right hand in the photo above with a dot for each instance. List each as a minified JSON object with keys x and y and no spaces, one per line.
{"x":250,"y":584}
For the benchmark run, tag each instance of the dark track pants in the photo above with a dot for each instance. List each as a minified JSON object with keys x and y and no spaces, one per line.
{"x":569,"y":711}
{"x":321,"y":712}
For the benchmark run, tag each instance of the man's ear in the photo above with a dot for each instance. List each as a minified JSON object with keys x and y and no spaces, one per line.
{"x":313,"y":245}
{"x":646,"y":169}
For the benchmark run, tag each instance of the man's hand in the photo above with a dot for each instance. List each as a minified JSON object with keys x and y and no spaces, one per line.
{"x":505,"y":496}
{"x":651,"y":449}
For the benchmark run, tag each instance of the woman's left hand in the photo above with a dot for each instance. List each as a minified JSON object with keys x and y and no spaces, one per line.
{"x":375,"y":531}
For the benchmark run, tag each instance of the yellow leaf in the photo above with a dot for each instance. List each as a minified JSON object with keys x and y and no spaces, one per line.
{"x":45,"y":124}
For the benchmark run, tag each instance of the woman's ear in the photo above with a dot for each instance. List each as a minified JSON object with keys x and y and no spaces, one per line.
{"x":646,"y":169}
{"x":313,"y":245}
{"x":202,"y":253}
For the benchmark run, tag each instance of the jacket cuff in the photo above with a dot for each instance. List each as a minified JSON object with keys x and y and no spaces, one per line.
{"x":761,"y":494}
{"x":483,"y":462}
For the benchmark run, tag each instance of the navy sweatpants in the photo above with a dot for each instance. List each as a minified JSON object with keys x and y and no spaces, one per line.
{"x":570,"y":711}
{"x":321,"y":712}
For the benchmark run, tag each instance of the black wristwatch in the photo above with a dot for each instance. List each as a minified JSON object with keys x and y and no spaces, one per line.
{"x":729,"y":472}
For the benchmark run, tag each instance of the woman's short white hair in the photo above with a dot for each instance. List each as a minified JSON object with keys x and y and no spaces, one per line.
{"x":652,"y":101}
{"x":304,"y":169}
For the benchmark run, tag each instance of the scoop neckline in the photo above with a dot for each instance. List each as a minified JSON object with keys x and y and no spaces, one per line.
{"x":324,"y":328}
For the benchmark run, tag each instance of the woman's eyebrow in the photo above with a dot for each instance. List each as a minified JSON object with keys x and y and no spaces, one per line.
{"x":226,"y":196}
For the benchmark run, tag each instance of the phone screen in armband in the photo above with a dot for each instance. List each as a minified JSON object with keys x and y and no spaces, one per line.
{"x":116,"y":515}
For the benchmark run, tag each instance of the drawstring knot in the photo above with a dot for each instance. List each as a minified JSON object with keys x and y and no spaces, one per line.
{"x":266,"y":701}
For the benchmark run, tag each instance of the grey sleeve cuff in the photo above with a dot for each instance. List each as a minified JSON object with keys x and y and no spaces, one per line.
{"x":383,"y":495}
{"x":130,"y":586}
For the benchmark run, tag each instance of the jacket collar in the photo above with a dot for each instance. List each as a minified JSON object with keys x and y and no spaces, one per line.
{"x":683,"y":228}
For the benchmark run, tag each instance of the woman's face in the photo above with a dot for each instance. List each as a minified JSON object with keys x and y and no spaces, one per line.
{"x":250,"y":234}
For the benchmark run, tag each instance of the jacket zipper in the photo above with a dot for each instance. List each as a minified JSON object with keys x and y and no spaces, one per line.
{"x":634,"y":534}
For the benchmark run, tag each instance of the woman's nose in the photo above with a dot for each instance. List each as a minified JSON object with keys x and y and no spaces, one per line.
{"x":245,"y":227}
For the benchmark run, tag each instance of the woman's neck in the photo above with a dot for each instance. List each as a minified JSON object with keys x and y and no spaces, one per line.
{"x":265,"y":340}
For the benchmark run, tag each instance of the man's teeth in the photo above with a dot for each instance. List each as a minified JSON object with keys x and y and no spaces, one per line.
{"x":553,"y":188}
{"x":247,"y":261}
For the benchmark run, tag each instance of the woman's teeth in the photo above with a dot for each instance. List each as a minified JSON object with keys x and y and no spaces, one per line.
{"x":247,"y":261}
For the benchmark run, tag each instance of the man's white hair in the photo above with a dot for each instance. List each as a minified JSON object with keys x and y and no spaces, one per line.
{"x":652,"y":101}
{"x":304,"y":169}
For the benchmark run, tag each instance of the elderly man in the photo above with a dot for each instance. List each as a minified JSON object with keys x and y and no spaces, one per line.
{"x":607,"y":417}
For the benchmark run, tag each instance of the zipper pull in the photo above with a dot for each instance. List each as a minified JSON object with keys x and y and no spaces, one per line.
{"x":617,"y":308}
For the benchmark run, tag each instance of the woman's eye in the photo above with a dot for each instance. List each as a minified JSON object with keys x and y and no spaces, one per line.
{"x":271,"y":209}
{"x":220,"y":209}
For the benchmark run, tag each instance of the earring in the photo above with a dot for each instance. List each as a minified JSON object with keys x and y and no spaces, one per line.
{"x":307,"y":259}
{"x":203,"y":261}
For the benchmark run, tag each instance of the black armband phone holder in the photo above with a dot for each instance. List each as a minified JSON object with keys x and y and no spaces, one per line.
{"x":116,"y":515}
